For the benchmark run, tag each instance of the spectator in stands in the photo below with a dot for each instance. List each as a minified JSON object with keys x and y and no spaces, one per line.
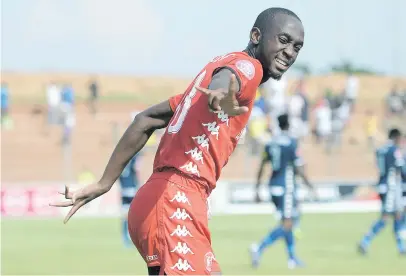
{"x":4,"y":100}
{"x":275,"y":94}
{"x":323,"y":122}
{"x":68,"y":115}
{"x":5,"y":106}
{"x":93,"y":97}
{"x":351,"y":90}
{"x":371,"y":128}
{"x":298,"y":110}
{"x":257,"y":126}
{"x":394,"y":105}
{"x":404,"y":101}
{"x":54,"y":103}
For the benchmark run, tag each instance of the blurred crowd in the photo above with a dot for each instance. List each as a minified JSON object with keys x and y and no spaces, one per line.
{"x":324,"y":119}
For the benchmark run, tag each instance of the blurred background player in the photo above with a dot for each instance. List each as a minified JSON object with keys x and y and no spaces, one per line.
{"x":282,"y":153}
{"x":129,"y":182}
{"x":403,"y":174}
{"x":390,"y":162}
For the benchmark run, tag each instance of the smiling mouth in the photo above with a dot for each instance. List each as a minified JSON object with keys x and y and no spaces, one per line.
{"x":281,"y":62}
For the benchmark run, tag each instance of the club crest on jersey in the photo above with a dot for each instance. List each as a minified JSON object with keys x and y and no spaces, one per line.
{"x":246,"y":68}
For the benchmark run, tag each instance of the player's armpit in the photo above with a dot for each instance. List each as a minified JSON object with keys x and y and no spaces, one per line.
{"x":221,"y":79}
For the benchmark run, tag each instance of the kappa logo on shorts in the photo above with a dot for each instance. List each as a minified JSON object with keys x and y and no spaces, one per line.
{"x":180,"y":197}
{"x":151,"y":258}
{"x":209,"y":258}
{"x":183,"y":215}
{"x":182,"y":248}
{"x":181,"y":232}
{"x":247,"y":68}
{"x":182,"y":265}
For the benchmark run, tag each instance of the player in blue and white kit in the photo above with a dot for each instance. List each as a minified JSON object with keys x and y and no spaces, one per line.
{"x":128,"y":187}
{"x":390,"y":162}
{"x":282,"y":153}
{"x":403,"y":173}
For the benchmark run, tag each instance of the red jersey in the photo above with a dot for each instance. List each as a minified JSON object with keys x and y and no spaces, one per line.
{"x":198,"y":142}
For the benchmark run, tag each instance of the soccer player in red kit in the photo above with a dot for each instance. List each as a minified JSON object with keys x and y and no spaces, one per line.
{"x":168,"y":220}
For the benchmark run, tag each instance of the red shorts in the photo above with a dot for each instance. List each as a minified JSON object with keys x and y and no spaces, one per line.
{"x":168,"y":224}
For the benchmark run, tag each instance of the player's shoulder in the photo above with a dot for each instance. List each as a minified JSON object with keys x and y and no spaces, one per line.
{"x":249,"y":67}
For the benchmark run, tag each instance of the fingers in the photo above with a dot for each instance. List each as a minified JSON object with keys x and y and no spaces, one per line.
{"x":215,"y":104}
{"x":61,"y":204}
{"x":75,"y":207}
{"x":68,"y":194}
{"x":233,"y":86}
{"x":203,"y":90}
{"x":239,"y":110}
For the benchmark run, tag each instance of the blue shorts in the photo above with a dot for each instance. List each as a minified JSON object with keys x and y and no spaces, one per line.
{"x":392,"y":202}
{"x":286,"y":205}
{"x":127,"y":195}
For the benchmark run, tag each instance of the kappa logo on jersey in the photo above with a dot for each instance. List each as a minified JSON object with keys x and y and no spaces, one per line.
{"x":183,"y":215}
{"x":181,"y":232}
{"x":182,"y":248}
{"x":196,"y":154}
{"x":180,"y":197}
{"x":222,"y":116}
{"x":213,"y":128}
{"x":182,"y":265}
{"x":246,"y":68}
{"x":191,"y":167}
{"x":209,"y":258}
{"x":202,"y":140}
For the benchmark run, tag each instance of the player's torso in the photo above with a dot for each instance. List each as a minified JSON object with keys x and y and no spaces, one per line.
{"x":283,"y":171}
{"x":198,"y":142}
{"x":386,"y":164}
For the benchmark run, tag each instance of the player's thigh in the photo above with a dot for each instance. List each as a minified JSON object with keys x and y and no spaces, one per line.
{"x":185,"y":229}
{"x":287,"y":206}
{"x":391,"y":203}
{"x":144,"y":216}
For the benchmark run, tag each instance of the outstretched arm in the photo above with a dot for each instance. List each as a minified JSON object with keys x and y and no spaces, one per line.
{"x":134,"y":139}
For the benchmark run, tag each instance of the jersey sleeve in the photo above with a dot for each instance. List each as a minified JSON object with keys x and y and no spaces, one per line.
{"x":249,"y":75}
{"x":174,"y":101}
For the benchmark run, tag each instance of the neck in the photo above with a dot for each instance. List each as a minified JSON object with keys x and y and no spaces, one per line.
{"x":250,"y":51}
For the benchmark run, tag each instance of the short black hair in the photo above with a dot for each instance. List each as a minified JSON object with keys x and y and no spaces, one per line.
{"x":264,"y":18}
{"x":394,"y":133}
{"x":283,"y":121}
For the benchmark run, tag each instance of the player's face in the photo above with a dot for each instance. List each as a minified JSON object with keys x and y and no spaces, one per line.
{"x":279,"y":48}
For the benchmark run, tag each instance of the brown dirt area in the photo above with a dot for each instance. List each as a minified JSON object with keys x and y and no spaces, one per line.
{"x":31,"y":151}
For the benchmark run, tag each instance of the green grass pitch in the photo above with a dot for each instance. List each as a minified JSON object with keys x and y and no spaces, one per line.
{"x":93,"y":246}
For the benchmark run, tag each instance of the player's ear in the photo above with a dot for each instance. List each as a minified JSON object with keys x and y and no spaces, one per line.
{"x":255,"y":35}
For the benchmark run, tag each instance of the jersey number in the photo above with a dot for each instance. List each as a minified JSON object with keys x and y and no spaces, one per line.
{"x":184,"y":106}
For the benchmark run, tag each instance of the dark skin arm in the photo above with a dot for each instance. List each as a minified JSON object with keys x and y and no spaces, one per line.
{"x":134,"y":139}
{"x":264,"y":161}
{"x":301,"y":172}
{"x":137,"y":135}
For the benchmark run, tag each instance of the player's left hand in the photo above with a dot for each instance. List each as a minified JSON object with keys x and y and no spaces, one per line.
{"x":79,"y":198}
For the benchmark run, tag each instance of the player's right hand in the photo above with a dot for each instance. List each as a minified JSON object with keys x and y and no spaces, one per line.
{"x":226,"y":101}
{"x":79,"y":198}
